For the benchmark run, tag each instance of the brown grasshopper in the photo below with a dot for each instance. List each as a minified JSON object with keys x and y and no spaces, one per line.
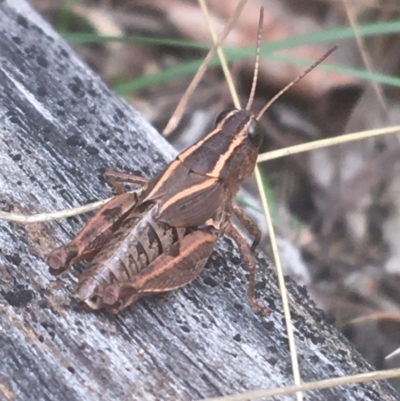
{"x":160,"y":237}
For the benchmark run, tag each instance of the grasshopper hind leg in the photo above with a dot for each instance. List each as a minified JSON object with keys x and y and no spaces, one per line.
{"x":94,"y":235}
{"x":166,"y":273}
{"x":101,"y":226}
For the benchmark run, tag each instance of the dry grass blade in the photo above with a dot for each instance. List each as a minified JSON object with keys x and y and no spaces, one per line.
{"x":364,"y":52}
{"x":282,"y":286}
{"x":180,"y":108}
{"x":317,"y":385}
{"x":392,"y":354}
{"x":43,"y":217}
{"x":221,"y":55}
{"x":281,"y":282}
{"x":323,"y":143}
{"x":274,"y":245}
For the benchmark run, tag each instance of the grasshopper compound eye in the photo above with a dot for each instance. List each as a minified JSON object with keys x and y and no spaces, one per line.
{"x":255,"y":134}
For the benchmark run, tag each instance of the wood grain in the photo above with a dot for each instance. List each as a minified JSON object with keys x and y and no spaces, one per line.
{"x":60,"y":128}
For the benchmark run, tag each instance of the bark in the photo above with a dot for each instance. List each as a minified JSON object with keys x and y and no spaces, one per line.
{"x":60,"y":128}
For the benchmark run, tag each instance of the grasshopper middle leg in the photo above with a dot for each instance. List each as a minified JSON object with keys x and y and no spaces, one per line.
{"x":116,"y":178}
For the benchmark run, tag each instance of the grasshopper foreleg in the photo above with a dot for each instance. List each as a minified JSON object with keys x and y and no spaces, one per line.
{"x":247,"y":254}
{"x":166,"y":273}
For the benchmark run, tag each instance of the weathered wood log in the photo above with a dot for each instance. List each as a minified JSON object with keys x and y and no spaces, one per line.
{"x":60,"y":127}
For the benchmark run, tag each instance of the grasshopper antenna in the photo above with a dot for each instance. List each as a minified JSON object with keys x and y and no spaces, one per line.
{"x":301,"y":76}
{"x":257,"y":62}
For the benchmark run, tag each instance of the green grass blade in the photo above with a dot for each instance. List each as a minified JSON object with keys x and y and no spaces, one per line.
{"x":85,"y":38}
{"x":268,"y":50}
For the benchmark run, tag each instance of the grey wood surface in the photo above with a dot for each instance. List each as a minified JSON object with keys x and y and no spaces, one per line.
{"x":60,"y":127}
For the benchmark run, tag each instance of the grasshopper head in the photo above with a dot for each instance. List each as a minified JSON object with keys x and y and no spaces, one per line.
{"x":229,"y":152}
{"x":245,"y":139}
{"x":239,"y":137}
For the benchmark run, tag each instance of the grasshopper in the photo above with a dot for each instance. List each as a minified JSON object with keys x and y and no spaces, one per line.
{"x":159,"y":238}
